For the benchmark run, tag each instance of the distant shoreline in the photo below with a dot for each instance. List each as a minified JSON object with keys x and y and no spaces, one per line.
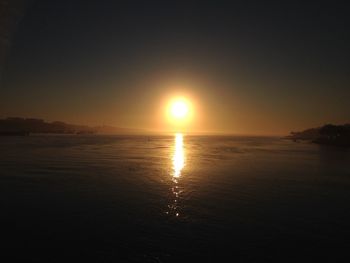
{"x":16,"y":126}
{"x":329,"y":134}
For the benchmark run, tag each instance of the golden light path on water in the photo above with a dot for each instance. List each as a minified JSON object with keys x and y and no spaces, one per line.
{"x":179,"y":155}
{"x":178,"y":163}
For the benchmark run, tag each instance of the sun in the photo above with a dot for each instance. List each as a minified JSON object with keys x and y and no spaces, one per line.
{"x":179,"y":109}
{"x":179,"y":113}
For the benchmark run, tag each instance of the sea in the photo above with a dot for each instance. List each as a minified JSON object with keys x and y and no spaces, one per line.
{"x":174,"y":198}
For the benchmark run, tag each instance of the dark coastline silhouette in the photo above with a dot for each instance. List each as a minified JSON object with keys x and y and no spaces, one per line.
{"x":22,"y":126}
{"x":25,"y":126}
{"x":329,"y":134}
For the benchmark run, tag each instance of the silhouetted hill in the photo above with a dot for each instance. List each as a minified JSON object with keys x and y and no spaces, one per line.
{"x":338,"y":135}
{"x":25,"y":126}
{"x":30,"y":125}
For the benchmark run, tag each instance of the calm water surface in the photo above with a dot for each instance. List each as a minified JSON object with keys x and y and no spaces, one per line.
{"x":175,"y":198}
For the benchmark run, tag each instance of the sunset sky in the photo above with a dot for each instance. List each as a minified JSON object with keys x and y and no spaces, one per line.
{"x":247,"y":67}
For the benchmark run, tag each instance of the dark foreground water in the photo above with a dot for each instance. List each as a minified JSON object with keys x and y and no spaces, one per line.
{"x":172,"y":199}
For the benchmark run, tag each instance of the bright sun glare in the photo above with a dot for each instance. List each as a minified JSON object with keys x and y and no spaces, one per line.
{"x":179,"y":109}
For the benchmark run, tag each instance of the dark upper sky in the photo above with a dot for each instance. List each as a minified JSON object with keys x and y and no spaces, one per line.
{"x":248,"y":66}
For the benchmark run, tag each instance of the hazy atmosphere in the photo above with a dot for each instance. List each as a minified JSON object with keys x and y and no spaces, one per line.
{"x":174,"y":131}
{"x":246,"y":67}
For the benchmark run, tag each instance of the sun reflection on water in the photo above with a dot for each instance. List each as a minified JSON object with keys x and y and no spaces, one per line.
{"x":178,"y":163}
{"x":179,"y":155}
